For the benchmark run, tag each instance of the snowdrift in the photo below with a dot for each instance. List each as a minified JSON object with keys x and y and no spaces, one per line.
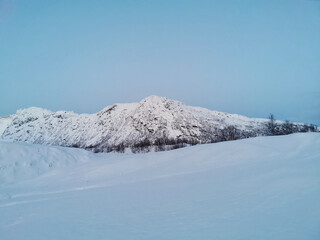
{"x":258,"y":188}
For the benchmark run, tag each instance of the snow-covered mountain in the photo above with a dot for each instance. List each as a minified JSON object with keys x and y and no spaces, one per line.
{"x":152,"y":123}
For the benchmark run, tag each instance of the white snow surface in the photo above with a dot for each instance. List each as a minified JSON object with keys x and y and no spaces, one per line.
{"x":4,"y":123}
{"x":152,"y":118}
{"x":257,"y":188}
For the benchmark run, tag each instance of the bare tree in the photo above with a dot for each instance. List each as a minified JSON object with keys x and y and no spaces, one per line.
{"x":287,"y":128}
{"x":313,"y":128}
{"x":271,"y":125}
{"x":229,"y":133}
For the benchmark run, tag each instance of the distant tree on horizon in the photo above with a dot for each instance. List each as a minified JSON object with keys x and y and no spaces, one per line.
{"x":287,"y":128}
{"x":271,"y":125}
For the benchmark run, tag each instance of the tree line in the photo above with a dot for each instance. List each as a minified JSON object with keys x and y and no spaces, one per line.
{"x":228,"y":133}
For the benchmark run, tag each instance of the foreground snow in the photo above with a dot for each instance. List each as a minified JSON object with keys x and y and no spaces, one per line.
{"x":260,"y":188}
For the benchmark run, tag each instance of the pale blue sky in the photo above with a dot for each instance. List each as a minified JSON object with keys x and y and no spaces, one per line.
{"x":246,"y":57}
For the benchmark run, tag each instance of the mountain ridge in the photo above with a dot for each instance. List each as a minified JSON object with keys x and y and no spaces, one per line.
{"x":152,"y":124}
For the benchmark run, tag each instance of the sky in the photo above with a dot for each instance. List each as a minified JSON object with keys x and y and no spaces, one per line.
{"x":247,"y":57}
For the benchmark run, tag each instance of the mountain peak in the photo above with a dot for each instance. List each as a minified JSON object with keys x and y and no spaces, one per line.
{"x":36,"y":111}
{"x":152,"y":123}
{"x":154,"y":99}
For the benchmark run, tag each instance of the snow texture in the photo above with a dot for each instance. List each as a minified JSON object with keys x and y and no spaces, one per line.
{"x":257,"y":188}
{"x":127,"y":125}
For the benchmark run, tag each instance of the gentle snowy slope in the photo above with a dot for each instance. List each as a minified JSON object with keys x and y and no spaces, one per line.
{"x":24,"y":161}
{"x":125,"y":125}
{"x":259,"y":188}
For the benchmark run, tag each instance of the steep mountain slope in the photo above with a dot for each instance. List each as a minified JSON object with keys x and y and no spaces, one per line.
{"x":155,"y":121}
{"x":258,"y":188}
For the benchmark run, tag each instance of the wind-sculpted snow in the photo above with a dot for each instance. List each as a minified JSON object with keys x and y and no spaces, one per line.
{"x":154,"y":121}
{"x":259,"y":188}
{"x":22,"y":161}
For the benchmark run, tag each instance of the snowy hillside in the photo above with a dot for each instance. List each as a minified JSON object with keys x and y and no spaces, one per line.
{"x":4,"y":123}
{"x":258,"y":188}
{"x":154,"y":121}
